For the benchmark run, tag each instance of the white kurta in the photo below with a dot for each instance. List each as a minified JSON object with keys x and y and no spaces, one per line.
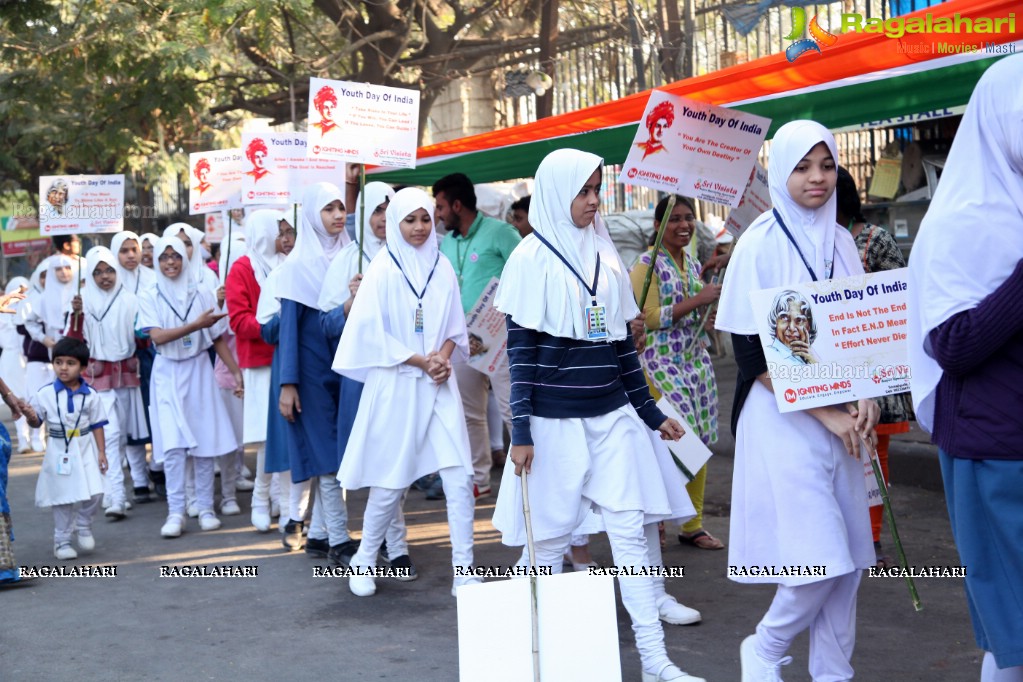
{"x":605,"y":461}
{"x":85,"y":479}
{"x":396,"y":440}
{"x":257,"y":403}
{"x":186,"y":408}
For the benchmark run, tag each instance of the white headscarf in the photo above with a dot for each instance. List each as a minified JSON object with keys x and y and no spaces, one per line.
{"x":380,"y":329}
{"x":180,"y":290}
{"x":537,"y":289}
{"x":56,"y":298}
{"x":109,"y":315}
{"x":970,"y":240}
{"x":763,"y":257}
{"x":343,"y":268}
{"x":8,"y":336}
{"x":133,"y":280}
{"x":197,"y":268}
{"x":262,"y":228}
{"x":15,"y":284}
{"x":301,"y":276}
{"x":152,"y":239}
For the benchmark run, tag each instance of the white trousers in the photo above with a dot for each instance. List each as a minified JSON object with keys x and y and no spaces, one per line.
{"x":629,"y":546}
{"x":473,"y":387}
{"x":330,"y":513}
{"x":115,"y":402}
{"x":136,"y":455}
{"x":495,"y":421}
{"x":828,"y":609}
{"x":384,"y":505}
{"x":261,"y":487}
{"x":294,"y":500}
{"x":68,"y":517}
{"x":174,"y":465}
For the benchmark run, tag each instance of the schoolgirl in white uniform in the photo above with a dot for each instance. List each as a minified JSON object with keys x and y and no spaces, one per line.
{"x":404,"y":325}
{"x":189,"y":417}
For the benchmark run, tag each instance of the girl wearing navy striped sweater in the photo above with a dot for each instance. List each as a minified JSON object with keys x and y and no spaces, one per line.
{"x":581,"y":408}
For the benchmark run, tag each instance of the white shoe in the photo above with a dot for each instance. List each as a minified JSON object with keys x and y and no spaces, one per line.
{"x":115,"y":512}
{"x":192,"y":510}
{"x":65,"y":552}
{"x":362,"y":585}
{"x":464,"y":580}
{"x":24,"y":448}
{"x":230,"y":508}
{"x":244,"y":485}
{"x":173,"y":526}
{"x":674,"y":613}
{"x":670,"y":673}
{"x":261,"y":518}
{"x":128,"y":504}
{"x":209,"y":521}
{"x":756,"y":669}
{"x":246,"y":472}
{"x":106,"y":501}
{"x":86,"y":542}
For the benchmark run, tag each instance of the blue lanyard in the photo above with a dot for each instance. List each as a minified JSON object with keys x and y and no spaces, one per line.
{"x":417,"y":294}
{"x":813,"y":275}
{"x":591,"y":290}
{"x":112,"y":301}
{"x":78,"y":420}
{"x":173,"y":309}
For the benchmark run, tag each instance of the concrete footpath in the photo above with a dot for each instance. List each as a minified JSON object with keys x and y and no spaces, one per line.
{"x":286,"y":624}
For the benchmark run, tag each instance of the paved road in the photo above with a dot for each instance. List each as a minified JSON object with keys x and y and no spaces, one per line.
{"x":286,"y":624}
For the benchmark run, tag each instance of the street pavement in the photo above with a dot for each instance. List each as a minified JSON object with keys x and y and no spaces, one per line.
{"x":286,"y":624}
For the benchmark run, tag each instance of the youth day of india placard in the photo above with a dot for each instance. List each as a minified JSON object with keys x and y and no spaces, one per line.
{"x":694,"y":149}
{"x":80,"y":204}
{"x":835,"y":341}
{"x":362,"y":123}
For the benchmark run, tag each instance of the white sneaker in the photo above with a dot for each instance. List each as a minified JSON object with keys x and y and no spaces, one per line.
{"x":192,"y":510}
{"x":230,"y":508}
{"x":362,"y":585}
{"x":674,"y":613}
{"x":173,"y":526}
{"x":464,"y":580}
{"x":209,"y":521}
{"x":65,"y":552}
{"x":86,"y":542}
{"x":128,"y":504}
{"x":115,"y":512}
{"x":756,"y":669}
{"x":670,"y":673}
{"x":244,"y":485}
{"x":246,"y":472}
{"x":261,"y":518}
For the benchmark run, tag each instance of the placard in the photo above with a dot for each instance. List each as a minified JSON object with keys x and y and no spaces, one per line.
{"x":835,"y":341}
{"x":215,"y":180}
{"x":689,"y":450}
{"x":695,"y":149}
{"x":363,"y":123}
{"x":755,"y":201}
{"x":278,"y":167}
{"x":887,"y":175}
{"x":490,"y":329}
{"x":80,"y":204}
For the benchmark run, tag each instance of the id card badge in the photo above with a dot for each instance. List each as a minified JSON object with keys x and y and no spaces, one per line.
{"x":596,"y":322}
{"x":419,"y":320}
{"x":64,"y":464}
{"x":186,"y":341}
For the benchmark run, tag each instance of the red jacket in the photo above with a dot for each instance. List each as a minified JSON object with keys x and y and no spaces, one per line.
{"x":242,"y":299}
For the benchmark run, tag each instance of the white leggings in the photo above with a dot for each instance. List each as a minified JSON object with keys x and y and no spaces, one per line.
{"x":828,"y":609}
{"x":68,"y":517}
{"x":174,"y":469}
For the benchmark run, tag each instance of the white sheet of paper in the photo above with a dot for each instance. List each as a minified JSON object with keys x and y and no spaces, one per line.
{"x":577,"y":613}
{"x":689,"y":449}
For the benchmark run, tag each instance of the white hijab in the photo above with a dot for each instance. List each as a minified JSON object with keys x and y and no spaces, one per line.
{"x":19,"y":314}
{"x":262,"y":228}
{"x":180,"y":290}
{"x":380,"y":329}
{"x":537,"y":289}
{"x":343,"y":268}
{"x":132,"y":280}
{"x":301,"y":276}
{"x":971,"y":238}
{"x":109,"y":315}
{"x":152,"y":239}
{"x":764,"y":257}
{"x":56,"y":298}
{"x":197,"y":269}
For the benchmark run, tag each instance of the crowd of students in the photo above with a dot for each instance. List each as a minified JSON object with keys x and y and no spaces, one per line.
{"x":343,"y":363}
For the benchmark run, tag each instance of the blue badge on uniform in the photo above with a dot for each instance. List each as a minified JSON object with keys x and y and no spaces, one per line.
{"x":596,"y":322}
